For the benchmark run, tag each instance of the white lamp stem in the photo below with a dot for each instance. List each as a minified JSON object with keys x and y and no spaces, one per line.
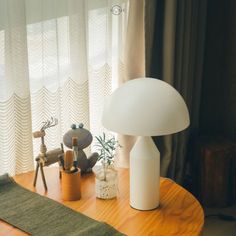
{"x":144,"y":174}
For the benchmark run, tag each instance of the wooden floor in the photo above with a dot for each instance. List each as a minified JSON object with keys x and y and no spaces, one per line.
{"x":179,"y":212}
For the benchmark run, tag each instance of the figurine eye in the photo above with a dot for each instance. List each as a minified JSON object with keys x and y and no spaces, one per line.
{"x":73,"y":126}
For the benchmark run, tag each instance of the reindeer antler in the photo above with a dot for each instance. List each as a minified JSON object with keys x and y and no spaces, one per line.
{"x":49,"y":123}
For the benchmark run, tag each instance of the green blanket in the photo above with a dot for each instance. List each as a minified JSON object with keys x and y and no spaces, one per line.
{"x":38,"y":215}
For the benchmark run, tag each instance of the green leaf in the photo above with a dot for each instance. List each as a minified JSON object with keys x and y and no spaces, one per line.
{"x":106,"y":147}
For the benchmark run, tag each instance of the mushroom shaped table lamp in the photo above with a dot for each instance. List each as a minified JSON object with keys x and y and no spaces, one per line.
{"x":145,"y":107}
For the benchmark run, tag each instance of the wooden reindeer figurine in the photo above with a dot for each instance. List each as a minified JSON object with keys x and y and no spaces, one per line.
{"x":46,"y":158}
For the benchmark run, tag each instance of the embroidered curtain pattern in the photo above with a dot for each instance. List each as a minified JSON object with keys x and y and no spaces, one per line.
{"x":60,"y":59}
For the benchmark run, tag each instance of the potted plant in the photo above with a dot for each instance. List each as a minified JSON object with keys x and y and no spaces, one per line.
{"x":106,"y":176}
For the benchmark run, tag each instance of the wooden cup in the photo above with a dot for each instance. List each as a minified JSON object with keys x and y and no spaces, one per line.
{"x":71,"y":189}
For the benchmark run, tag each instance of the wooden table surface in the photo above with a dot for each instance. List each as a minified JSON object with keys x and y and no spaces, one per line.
{"x":179,"y":212}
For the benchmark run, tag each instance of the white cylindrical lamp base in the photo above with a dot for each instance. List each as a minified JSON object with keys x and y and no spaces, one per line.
{"x":144,"y":175}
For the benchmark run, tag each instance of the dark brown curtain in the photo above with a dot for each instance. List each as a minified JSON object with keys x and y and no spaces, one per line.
{"x":175,"y":52}
{"x":218,"y":105}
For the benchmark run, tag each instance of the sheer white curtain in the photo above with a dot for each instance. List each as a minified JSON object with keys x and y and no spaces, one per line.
{"x":57,"y":58}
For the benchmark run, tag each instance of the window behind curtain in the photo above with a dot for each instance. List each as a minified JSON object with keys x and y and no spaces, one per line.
{"x":73,"y":57}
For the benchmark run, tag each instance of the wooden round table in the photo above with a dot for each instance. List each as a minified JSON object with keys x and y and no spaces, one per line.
{"x":179,"y":212}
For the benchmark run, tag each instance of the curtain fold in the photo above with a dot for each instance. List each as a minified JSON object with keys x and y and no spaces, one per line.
{"x":60,"y":59}
{"x":134,"y":65}
{"x":183,"y":34}
{"x":189,"y":59}
{"x":15,"y":114}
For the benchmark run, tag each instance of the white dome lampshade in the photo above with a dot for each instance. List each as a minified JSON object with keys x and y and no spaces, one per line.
{"x":145,"y":107}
